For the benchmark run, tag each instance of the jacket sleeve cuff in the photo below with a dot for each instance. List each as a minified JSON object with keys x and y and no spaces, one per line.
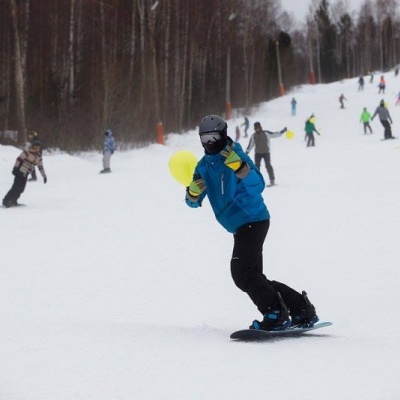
{"x":191,"y":198}
{"x":243,"y":171}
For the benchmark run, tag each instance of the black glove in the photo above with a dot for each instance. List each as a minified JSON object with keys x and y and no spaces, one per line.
{"x":45,"y":179}
{"x":15,"y":171}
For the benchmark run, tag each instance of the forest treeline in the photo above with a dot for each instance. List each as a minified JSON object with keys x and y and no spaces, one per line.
{"x":72,"y":68}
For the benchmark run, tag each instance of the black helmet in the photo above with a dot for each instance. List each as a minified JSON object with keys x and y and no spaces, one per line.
{"x":213,"y":131}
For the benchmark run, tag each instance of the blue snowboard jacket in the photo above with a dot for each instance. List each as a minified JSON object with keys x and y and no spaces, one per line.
{"x":234,"y":201}
{"x":110,"y":144}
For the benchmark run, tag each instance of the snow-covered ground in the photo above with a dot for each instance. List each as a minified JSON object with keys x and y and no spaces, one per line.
{"x":112,"y":288}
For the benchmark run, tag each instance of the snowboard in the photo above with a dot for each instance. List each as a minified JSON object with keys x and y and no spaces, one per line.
{"x":259,"y":335}
{"x":19,"y":205}
{"x":394,"y":137}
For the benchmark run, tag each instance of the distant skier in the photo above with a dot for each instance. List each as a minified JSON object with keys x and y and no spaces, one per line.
{"x":237,"y":134}
{"x":260,"y":140}
{"x":361,"y":83}
{"x":234,"y":186}
{"x":385,"y":118}
{"x":110,"y":145}
{"x":382,"y":85}
{"x":310,"y":129}
{"x":398,"y":99}
{"x":293,"y":105}
{"x":365,"y":118}
{"x":341,"y":100}
{"x":246,"y":125}
{"x":23,"y":166}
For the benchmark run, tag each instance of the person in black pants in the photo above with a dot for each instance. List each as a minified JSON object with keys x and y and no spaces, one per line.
{"x":248,"y":250}
{"x":234,"y":185}
{"x":385,"y":118}
{"x":22,"y":168}
{"x":260,"y":139}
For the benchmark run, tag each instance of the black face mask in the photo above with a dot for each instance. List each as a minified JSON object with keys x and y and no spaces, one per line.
{"x":212,"y":142}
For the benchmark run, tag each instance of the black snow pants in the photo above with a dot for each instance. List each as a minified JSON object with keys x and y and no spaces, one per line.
{"x":388,"y":129}
{"x":247,"y":271}
{"x":310,"y":140}
{"x":17,"y":188}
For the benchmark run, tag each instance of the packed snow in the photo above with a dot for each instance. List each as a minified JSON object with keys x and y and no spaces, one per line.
{"x":112,"y":288}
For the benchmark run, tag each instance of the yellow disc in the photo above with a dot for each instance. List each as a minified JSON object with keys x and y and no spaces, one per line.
{"x":289,"y":134}
{"x":181,"y":166}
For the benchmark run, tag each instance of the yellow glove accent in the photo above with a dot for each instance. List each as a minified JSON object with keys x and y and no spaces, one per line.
{"x":197,"y":187}
{"x":232,"y":161}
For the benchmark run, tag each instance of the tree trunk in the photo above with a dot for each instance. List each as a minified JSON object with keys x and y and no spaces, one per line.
{"x":167,"y":56}
{"x":19,"y":76}
{"x":132,"y":40}
{"x":71,"y":64}
{"x":142,"y":40}
{"x":153,"y":51}
{"x":104,"y":83}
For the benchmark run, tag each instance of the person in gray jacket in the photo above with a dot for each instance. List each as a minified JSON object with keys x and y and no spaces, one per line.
{"x":385,"y":119}
{"x":260,"y":139}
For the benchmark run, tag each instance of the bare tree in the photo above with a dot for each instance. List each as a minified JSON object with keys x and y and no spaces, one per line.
{"x":19,"y":73}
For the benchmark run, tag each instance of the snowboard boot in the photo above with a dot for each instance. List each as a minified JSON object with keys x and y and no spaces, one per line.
{"x":274,"y":320}
{"x":7,"y":203}
{"x":307,"y":317}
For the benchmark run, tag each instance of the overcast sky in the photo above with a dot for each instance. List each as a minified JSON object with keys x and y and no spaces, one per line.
{"x":300,"y":7}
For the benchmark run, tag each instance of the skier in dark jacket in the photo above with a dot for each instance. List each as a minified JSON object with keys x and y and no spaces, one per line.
{"x":246,"y":125}
{"x":385,"y":119}
{"x":234,"y":185}
{"x":341,"y":100}
{"x":260,"y":139}
{"x":360,"y":83}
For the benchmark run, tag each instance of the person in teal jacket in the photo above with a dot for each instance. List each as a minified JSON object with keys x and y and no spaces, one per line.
{"x":234,"y":186}
{"x":310,"y":129}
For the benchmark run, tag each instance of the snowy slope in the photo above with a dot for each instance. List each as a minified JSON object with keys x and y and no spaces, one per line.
{"x":112,"y":288}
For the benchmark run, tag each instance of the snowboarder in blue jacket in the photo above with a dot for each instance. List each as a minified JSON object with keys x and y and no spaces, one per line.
{"x":234,"y":186}
{"x":109,"y":146}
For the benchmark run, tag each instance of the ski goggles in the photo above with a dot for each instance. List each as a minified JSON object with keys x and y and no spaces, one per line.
{"x":210,"y":137}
